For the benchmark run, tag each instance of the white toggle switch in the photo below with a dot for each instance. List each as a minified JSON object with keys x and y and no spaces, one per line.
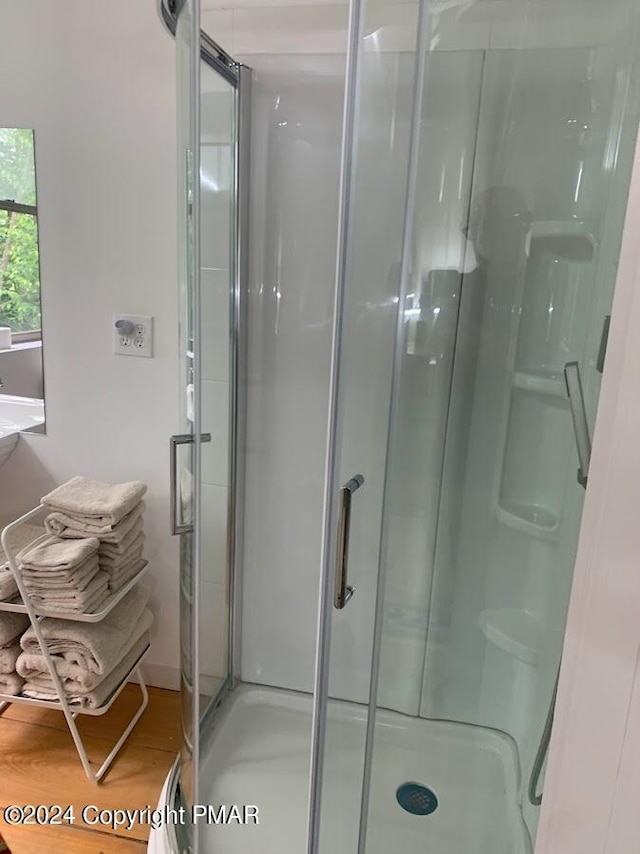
{"x":133,"y":335}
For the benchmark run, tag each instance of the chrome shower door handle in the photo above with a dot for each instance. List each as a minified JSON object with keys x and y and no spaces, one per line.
{"x":342,"y":592}
{"x":579,"y":418}
{"x":179,"y":439}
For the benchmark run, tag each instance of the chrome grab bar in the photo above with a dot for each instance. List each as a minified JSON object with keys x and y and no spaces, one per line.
{"x":535,"y":797}
{"x":174,"y":441}
{"x":579,"y":418}
{"x":342,"y":591}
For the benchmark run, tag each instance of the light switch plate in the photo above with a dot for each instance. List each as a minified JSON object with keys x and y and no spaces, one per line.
{"x":139,"y":342}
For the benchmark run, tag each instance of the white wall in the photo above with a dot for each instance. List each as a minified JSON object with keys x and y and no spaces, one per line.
{"x":98,"y":85}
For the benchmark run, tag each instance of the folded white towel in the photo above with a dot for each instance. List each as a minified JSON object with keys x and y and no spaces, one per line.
{"x":72,"y":527}
{"x":8,"y":586}
{"x":104,"y":503}
{"x":102,"y":692}
{"x":11,"y":625}
{"x":53,"y":553}
{"x":123,"y":568}
{"x":93,"y":646}
{"x":76,"y":579}
{"x":87,"y":601}
{"x":119,"y":578}
{"x":9,"y":656}
{"x":21,"y":537}
{"x":75,"y":679}
{"x":133,"y":539}
{"x":124,"y":561}
{"x":11,"y":684}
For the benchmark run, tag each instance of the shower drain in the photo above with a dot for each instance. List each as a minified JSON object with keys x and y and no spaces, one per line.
{"x":416,"y":799}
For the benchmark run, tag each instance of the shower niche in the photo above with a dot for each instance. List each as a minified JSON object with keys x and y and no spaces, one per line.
{"x":549,"y":331}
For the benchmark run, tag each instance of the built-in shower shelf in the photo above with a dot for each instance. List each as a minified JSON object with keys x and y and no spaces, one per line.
{"x":550,"y":383}
{"x":568,"y":240}
{"x":532,"y":519}
{"x":513,"y":630}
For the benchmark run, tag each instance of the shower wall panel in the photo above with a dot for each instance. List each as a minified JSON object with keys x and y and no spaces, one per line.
{"x":298,"y":58}
{"x":372,"y":279}
{"x":297,"y":127}
{"x":295,"y":180}
{"x":296,"y":135}
{"x":216,"y":181}
{"x":439,"y":254}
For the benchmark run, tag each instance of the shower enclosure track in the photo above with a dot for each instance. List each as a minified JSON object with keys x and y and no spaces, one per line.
{"x":210,"y":51}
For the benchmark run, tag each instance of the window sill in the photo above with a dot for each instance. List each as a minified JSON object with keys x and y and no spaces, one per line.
{"x":24,"y":337}
{"x":22,"y":345}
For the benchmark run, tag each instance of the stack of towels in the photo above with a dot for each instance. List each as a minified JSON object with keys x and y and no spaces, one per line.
{"x":11,"y":627}
{"x":111,"y":513}
{"x":21,"y":536}
{"x":63,"y":576}
{"x":91,"y":659}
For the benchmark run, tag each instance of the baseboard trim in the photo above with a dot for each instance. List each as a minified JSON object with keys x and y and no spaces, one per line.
{"x":161,"y":676}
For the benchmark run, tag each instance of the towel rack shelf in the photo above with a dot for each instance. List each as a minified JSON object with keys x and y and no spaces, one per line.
{"x":71,"y":711}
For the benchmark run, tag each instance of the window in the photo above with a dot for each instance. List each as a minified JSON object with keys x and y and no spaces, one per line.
{"x":19,"y":257}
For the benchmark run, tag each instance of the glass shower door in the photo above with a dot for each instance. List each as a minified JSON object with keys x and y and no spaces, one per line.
{"x":204,"y":456}
{"x":376,"y":151}
{"x":185,"y":446}
{"x":524,"y":146}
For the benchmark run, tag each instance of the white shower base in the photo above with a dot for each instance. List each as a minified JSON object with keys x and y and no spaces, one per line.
{"x":260,"y":756}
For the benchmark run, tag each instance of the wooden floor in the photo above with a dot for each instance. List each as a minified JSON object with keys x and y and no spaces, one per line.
{"x":39,"y":765}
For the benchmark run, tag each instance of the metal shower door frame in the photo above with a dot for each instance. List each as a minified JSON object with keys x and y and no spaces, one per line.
{"x":239,"y":76}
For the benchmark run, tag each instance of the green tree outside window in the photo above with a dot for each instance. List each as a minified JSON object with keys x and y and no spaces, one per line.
{"x":19,"y":259}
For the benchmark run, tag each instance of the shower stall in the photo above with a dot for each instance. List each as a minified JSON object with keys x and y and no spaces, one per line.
{"x":397,"y":270}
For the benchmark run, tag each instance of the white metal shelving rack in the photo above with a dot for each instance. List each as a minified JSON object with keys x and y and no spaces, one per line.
{"x":22,"y":604}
